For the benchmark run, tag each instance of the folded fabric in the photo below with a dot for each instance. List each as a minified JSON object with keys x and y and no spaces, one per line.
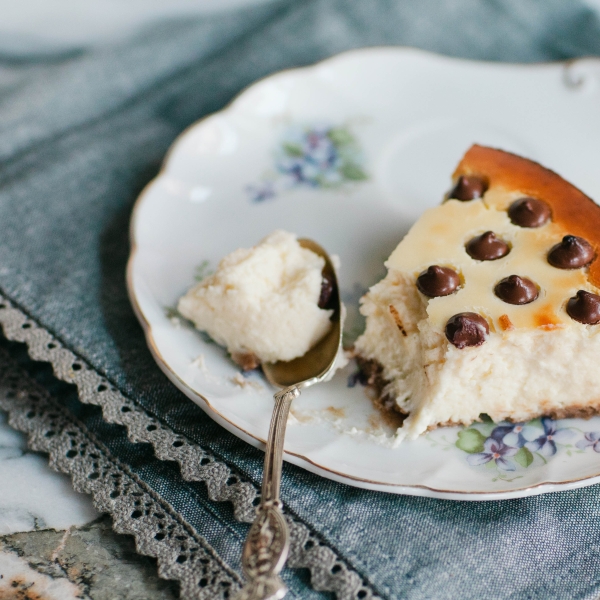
{"x":81,"y":133}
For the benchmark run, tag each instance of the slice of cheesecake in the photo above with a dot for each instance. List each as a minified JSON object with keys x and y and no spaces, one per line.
{"x":491,"y":303}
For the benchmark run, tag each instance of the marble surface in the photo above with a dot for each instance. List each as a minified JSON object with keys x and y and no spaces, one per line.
{"x":90,"y":562}
{"x":19,"y":580}
{"x":32,"y":495}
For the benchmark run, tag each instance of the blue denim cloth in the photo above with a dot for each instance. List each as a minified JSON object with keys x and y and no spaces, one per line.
{"x":82,"y":132}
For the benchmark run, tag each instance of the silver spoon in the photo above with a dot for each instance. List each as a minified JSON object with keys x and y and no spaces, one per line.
{"x":268,"y":542}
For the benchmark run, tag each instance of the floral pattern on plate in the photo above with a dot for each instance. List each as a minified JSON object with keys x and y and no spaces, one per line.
{"x":317,"y":156}
{"x":507,"y":448}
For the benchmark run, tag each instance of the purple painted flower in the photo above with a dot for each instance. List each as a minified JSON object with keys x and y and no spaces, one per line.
{"x":546,"y":443}
{"x":355,"y":378}
{"x":310,"y":157}
{"x":319,"y":157}
{"x":494,"y":450}
{"x":510,"y":434}
{"x":261,"y":191}
{"x":592,"y":438}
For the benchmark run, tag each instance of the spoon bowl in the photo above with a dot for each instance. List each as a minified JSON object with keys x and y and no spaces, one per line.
{"x":316,"y":364}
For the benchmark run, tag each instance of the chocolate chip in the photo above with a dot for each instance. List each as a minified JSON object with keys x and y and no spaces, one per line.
{"x":529,"y":212}
{"x":467,"y":329}
{"x":516,"y":290}
{"x":326,"y":291}
{"x":585,"y":308}
{"x":572,"y":253}
{"x":487,"y":247}
{"x":468,"y":187}
{"x":438,"y":281}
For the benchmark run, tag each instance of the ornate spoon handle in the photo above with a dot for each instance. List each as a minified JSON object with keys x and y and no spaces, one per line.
{"x":268,"y":542}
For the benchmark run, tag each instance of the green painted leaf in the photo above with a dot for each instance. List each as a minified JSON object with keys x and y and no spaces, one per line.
{"x":524,"y":457}
{"x":485,"y":428}
{"x":340,"y":137}
{"x":323,"y":183}
{"x":202,"y":271}
{"x":171,"y":312}
{"x":292,"y":149}
{"x":470,"y":440}
{"x":353,"y":172}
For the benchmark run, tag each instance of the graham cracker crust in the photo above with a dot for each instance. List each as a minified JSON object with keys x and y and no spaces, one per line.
{"x":246,"y":360}
{"x":371,"y":377}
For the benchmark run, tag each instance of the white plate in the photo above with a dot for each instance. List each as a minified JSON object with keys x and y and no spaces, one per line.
{"x":380,"y":131}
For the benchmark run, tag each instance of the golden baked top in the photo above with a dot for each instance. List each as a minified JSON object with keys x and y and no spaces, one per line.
{"x":513,"y":243}
{"x":572,"y":210}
